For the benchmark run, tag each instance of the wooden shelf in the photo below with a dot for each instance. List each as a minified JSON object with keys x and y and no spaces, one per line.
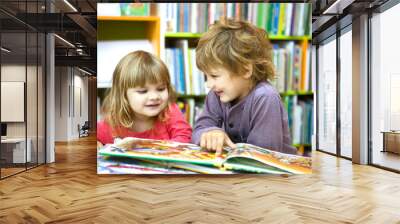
{"x":121,"y":28}
{"x":129,"y":18}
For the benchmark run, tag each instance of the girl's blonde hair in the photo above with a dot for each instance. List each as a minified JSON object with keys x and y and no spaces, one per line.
{"x":134,"y":70}
{"x":234,"y":45}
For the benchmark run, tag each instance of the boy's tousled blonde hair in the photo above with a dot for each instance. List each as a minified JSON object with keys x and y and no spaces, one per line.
{"x":134,"y":70}
{"x":234,"y":45}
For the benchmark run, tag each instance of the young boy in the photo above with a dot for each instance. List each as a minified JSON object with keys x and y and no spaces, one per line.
{"x":242,"y":106}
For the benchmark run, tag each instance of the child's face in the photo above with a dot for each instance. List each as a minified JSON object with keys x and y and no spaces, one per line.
{"x":149,"y":100}
{"x":228,"y":87}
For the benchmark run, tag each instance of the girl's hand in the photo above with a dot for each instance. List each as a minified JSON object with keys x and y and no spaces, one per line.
{"x":99,"y":145}
{"x":215,"y":140}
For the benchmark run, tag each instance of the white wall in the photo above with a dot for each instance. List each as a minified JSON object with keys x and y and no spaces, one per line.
{"x":80,"y":96}
{"x":71,"y":94}
{"x":34,"y":124}
{"x":15,"y":72}
{"x":61,"y":103}
{"x":118,"y":49}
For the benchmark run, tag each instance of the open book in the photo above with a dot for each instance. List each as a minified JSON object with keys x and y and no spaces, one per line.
{"x":244,"y":158}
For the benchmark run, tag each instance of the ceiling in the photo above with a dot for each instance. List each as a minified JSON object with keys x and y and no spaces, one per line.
{"x":326,"y":21}
{"x":72,"y":20}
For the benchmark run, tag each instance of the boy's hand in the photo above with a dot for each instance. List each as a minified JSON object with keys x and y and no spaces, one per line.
{"x":215,"y":140}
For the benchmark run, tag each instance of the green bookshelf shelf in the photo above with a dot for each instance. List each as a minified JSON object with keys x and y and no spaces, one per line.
{"x":183,"y":35}
{"x":198,"y":35}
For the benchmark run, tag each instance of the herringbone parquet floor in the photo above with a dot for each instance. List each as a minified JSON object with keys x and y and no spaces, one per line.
{"x":70,"y":191}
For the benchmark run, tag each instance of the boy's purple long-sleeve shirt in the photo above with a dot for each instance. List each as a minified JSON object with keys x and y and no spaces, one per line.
{"x":259,"y":119}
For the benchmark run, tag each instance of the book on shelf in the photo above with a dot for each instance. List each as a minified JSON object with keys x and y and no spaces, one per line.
{"x":190,"y":109}
{"x":135,"y":9}
{"x":291,"y":61}
{"x":244,"y":158}
{"x":306,"y":79}
{"x":185,"y":76}
{"x":300,"y":114}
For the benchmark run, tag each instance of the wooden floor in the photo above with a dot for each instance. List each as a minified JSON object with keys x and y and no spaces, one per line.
{"x":10,"y":171}
{"x":70,"y":191}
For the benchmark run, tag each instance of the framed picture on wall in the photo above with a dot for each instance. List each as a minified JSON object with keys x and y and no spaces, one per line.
{"x":12,"y":101}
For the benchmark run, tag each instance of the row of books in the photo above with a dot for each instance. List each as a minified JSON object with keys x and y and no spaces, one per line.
{"x":283,"y":19}
{"x":291,"y":60}
{"x":287,"y":19}
{"x":300,"y":115}
{"x":292,"y":63}
{"x":185,"y":75}
{"x":184,"y":17}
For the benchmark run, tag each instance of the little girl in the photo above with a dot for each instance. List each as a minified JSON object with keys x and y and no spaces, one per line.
{"x":242,"y":106}
{"x":141,"y":103}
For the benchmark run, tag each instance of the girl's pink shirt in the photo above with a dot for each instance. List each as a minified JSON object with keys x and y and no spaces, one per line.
{"x":175,"y":129}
